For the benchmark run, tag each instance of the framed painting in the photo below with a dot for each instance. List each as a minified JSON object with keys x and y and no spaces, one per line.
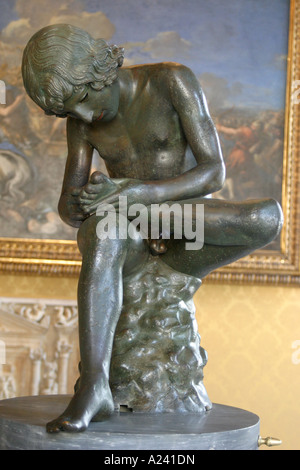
{"x":246,"y":56}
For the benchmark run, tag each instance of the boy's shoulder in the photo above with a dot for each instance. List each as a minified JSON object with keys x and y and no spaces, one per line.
{"x":167,"y":68}
{"x":164,"y":75}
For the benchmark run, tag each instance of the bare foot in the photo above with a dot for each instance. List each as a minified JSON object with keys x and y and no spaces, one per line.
{"x":93,"y":398}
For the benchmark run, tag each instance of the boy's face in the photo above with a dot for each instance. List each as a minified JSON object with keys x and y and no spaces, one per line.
{"x":90,"y":105}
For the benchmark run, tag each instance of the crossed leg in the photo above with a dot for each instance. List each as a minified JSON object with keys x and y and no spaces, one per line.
{"x":231,"y":231}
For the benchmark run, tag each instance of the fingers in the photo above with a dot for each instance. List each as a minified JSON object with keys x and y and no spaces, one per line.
{"x":92,"y":188}
{"x":87,"y":196}
{"x":88,"y":207}
{"x":112,"y":200}
{"x":96,"y":182}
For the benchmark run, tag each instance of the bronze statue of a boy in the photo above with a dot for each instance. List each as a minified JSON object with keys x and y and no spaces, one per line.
{"x":141,"y":119}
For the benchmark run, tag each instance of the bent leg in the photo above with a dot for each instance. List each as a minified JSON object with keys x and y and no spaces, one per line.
{"x":232,"y":230}
{"x":100,"y":296}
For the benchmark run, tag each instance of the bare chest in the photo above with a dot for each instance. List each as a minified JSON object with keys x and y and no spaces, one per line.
{"x":146,"y":143}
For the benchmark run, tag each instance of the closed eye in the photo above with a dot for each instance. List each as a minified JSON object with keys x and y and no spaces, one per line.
{"x":52,"y":113}
{"x":85,"y":98}
{"x":49,"y":113}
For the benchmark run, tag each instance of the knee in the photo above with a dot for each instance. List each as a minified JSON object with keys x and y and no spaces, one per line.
{"x":99,"y":253}
{"x":96,"y":235}
{"x":86,"y":234}
{"x":92,"y":235}
{"x":266,"y":219}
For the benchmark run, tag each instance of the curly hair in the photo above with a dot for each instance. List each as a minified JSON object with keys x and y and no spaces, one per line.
{"x":60,"y":59}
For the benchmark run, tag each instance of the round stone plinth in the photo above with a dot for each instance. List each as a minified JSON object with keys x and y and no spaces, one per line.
{"x":23,"y":420}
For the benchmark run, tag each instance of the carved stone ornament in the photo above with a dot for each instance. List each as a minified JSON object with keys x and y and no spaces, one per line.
{"x":39,"y":347}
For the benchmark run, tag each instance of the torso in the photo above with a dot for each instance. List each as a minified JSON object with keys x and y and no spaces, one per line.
{"x":145,"y":140}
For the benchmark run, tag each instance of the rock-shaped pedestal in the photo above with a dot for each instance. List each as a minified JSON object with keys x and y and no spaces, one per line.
{"x":157,"y":361}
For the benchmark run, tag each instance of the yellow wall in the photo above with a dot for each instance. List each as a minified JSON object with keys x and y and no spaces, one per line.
{"x":38,"y":287}
{"x":248,"y":332}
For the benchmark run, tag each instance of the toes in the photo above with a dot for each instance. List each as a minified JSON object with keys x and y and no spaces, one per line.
{"x":53,"y":426}
{"x":97,"y":177}
{"x":64,"y":424}
{"x":73,"y":426}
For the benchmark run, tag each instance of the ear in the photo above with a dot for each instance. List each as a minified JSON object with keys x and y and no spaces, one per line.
{"x":119,"y":52}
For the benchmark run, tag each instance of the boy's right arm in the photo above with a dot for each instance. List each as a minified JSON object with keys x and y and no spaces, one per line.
{"x":77,"y":173}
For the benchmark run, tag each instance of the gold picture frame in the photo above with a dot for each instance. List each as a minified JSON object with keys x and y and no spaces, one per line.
{"x":282,"y":267}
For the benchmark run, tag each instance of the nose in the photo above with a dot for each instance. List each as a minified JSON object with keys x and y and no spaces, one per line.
{"x":80,"y":113}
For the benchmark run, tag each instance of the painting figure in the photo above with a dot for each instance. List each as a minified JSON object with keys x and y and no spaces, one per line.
{"x":141,"y":120}
{"x":246,"y":137}
{"x":252,"y":148}
{"x":241,"y":157}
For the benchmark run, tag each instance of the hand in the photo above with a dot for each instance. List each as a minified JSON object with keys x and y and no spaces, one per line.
{"x":77,"y":203}
{"x":98,"y":187}
{"x":103,"y":190}
{"x":69,"y":208}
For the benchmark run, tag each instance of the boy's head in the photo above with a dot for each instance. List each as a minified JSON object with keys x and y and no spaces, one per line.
{"x":60,"y":59}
